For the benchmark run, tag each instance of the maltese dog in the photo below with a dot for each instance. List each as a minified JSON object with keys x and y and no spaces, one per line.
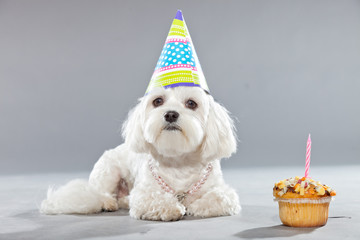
{"x":168,"y":167}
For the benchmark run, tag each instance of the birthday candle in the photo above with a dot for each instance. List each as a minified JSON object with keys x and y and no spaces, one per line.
{"x":308,"y":154}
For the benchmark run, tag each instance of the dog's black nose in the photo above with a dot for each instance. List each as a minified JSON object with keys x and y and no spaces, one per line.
{"x":171,"y":116}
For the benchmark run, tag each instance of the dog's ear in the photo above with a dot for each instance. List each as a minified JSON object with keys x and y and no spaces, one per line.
{"x":132,"y":130}
{"x":220,"y":137}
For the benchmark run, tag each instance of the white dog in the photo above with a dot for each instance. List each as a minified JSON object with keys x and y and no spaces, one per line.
{"x":168,"y":166}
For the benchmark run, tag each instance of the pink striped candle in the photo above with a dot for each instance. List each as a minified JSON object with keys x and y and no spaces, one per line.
{"x":308,"y":154}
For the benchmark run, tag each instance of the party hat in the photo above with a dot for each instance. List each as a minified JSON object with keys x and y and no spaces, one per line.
{"x":178,"y":64}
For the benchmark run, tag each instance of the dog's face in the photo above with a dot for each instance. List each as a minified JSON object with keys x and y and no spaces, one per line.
{"x":175,"y":120}
{"x":179,"y":121}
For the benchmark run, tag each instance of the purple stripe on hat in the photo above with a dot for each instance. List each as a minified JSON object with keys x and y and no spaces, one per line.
{"x":179,"y":15}
{"x":185,"y":84}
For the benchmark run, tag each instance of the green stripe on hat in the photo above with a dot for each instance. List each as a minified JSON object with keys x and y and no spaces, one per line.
{"x":178,"y":29}
{"x":175,"y":77}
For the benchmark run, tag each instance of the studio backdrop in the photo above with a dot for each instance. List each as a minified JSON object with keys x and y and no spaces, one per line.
{"x":71,"y":70}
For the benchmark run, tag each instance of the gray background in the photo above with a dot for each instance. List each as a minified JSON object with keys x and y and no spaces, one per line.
{"x":71,"y":70}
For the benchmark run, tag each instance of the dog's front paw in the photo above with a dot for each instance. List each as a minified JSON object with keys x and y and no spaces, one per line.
{"x":156,"y":207}
{"x":215,"y":203}
{"x":159,"y":213}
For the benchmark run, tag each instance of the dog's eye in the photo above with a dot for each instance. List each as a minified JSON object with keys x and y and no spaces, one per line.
{"x":191,"y":104}
{"x":158,"y":102}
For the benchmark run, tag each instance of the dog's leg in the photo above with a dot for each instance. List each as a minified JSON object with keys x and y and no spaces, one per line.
{"x":220,"y":201}
{"x":106,"y":175}
{"x":149,"y":203}
{"x":123,"y":193}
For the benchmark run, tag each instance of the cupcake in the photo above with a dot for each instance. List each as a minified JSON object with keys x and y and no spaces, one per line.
{"x":303,"y":202}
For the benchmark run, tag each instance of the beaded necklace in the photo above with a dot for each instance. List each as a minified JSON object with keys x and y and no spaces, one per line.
{"x":180,"y":196}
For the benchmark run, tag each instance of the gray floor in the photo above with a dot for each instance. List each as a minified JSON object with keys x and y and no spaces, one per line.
{"x":20,"y":197}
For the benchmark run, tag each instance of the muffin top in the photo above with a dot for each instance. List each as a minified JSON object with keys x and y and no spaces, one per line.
{"x":301,"y":188}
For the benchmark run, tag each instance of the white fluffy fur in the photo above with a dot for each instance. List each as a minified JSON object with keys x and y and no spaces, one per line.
{"x":121,"y":178}
{"x":75,"y":197}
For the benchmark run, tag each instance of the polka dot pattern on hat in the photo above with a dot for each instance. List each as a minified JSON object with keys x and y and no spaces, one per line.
{"x":176,"y":53}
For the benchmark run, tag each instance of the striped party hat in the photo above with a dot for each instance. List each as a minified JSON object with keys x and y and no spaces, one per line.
{"x":178,"y":64}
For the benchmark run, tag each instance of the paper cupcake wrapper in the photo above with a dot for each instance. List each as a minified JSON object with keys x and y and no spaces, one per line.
{"x":305,"y":200}
{"x":304,"y":212}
